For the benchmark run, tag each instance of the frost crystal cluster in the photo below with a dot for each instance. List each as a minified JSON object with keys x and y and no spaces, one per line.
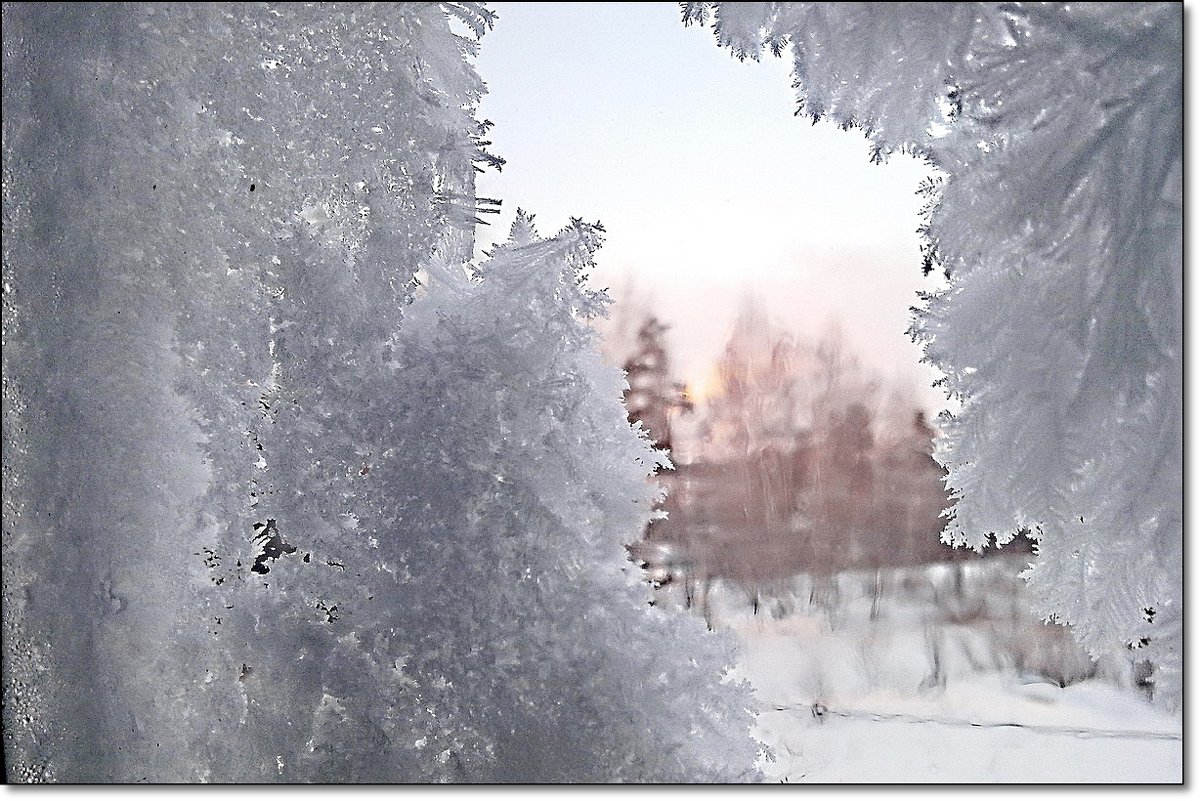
{"x":1058,"y":129}
{"x":291,"y":493}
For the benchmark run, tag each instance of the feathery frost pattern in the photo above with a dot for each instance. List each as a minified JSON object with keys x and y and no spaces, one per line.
{"x":290,"y":493}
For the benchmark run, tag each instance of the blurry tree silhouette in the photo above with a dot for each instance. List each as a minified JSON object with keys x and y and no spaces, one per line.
{"x":842,"y":494}
{"x":653,"y":395}
{"x":753,"y":408}
{"x":911,"y":494}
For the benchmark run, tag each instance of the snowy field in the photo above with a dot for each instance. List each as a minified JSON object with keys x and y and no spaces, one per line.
{"x":920,"y":694}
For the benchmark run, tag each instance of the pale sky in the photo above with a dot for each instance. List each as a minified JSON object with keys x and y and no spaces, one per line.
{"x":706,"y":182}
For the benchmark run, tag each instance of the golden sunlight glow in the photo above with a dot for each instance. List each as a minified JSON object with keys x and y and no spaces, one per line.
{"x":705,"y":387}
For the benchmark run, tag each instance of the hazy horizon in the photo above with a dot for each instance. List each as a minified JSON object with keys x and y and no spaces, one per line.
{"x":709,"y":187}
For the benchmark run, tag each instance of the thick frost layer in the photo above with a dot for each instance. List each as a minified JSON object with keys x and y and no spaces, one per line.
{"x":1060,"y":226}
{"x":272,"y":509}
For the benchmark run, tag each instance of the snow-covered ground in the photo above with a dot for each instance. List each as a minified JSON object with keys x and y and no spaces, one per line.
{"x":927,"y":692}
